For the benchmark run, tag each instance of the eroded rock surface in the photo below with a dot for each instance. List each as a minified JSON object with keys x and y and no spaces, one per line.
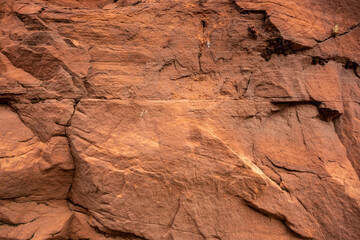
{"x":179,"y":119}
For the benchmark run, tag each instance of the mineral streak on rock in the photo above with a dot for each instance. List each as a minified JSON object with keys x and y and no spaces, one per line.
{"x":199,"y":119}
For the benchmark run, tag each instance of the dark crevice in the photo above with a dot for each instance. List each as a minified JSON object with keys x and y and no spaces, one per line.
{"x":327,"y":114}
{"x":216,"y":237}
{"x":324,"y":40}
{"x":353,"y":65}
{"x":182,"y":77}
{"x":319,"y":60}
{"x":5,"y":101}
{"x":278,"y":182}
{"x":69,"y":43}
{"x":350,"y":29}
{"x":71,"y":148}
{"x":345,"y":61}
{"x":31,"y":237}
{"x":199,"y":59}
{"x":136,"y":3}
{"x":204,"y":24}
{"x":295,"y":103}
{"x":289,"y":170}
{"x":77,"y":208}
{"x":9,"y":223}
{"x":252,"y":32}
{"x":7,"y":98}
{"x":335,"y":34}
{"x":280,"y":46}
{"x":73,"y":113}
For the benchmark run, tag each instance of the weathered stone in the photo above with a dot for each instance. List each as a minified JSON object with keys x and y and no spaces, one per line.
{"x":168,"y":119}
{"x":31,"y":169}
{"x":34,"y":220}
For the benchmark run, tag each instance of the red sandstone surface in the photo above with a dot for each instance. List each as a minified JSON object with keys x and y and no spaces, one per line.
{"x":184,"y":120}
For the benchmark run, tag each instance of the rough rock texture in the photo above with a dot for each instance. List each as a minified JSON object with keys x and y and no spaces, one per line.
{"x":209,"y":119}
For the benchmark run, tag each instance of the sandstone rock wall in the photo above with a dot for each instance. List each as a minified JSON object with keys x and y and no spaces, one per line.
{"x":199,"y":119}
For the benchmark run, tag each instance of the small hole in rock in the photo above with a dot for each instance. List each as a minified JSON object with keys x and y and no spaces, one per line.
{"x":203,"y":24}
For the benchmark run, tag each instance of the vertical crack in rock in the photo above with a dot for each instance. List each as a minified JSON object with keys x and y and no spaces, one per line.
{"x":175,"y":214}
{"x":71,"y":147}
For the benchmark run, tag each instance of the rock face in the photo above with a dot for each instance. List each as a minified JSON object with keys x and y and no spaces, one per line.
{"x":209,"y":119}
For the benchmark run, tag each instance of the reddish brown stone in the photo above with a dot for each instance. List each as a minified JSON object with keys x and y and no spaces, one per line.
{"x":31,"y":169}
{"x":182,"y":120}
